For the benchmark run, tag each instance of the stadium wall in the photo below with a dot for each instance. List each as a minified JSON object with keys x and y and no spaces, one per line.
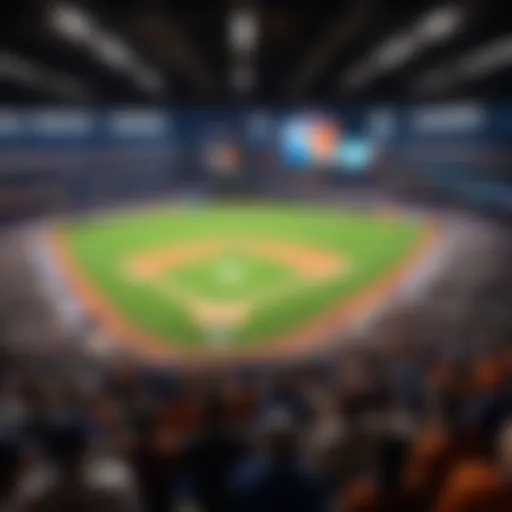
{"x":74,"y":159}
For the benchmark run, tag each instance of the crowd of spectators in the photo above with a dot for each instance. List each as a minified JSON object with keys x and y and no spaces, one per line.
{"x":415,"y":417}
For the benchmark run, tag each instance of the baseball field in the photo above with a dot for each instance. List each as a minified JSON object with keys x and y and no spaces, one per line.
{"x":234,"y":277}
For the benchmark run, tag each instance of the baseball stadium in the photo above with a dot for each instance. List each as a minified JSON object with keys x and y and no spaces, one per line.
{"x":255,"y":256}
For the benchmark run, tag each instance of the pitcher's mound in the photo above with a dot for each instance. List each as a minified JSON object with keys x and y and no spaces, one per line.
{"x":231,"y":273}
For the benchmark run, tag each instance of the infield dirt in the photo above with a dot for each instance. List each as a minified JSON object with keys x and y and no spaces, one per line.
{"x":309,"y":263}
{"x":312,"y":263}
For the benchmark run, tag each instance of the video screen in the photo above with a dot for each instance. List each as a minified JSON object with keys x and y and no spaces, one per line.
{"x":314,"y":141}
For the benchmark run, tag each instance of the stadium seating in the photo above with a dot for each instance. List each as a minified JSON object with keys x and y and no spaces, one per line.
{"x":348,"y":435}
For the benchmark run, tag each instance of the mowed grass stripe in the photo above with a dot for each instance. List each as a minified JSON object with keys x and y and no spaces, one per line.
{"x":371,"y":246}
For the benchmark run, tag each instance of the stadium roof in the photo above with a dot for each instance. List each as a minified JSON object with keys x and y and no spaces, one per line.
{"x":188,"y":51}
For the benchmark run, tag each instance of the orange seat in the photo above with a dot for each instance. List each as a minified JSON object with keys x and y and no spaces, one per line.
{"x":361,"y":496}
{"x":181,"y":417}
{"x":488,"y":375}
{"x":241,"y":406}
{"x":474,"y":486}
{"x":430,"y":460}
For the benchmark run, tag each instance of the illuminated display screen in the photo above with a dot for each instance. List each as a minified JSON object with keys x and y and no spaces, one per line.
{"x":312,"y":142}
{"x":309,"y":141}
{"x":355,"y":154}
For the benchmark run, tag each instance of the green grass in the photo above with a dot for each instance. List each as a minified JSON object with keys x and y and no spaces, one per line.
{"x":231,"y":276}
{"x":372,"y":247}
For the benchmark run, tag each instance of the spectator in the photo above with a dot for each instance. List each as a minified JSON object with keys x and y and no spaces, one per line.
{"x":10,"y":470}
{"x":278,"y":480}
{"x":156,"y":464}
{"x":286,"y":393}
{"x":480,"y":485}
{"x":430,"y":460}
{"x":361,"y":496}
{"x":74,"y":478}
{"x":212,"y":456}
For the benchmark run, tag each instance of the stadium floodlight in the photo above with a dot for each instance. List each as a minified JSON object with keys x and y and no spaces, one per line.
{"x":243,"y":30}
{"x":117,"y":55}
{"x":434,"y":28}
{"x":487,"y":59}
{"x":72,"y":23}
{"x":114,"y":53}
{"x":483,"y":61}
{"x":439,"y":24}
{"x":395,"y":52}
{"x":388,"y":56}
{"x":17,"y":68}
{"x":78,"y":27}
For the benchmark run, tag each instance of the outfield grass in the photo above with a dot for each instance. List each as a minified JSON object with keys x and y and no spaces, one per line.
{"x":369,"y":245}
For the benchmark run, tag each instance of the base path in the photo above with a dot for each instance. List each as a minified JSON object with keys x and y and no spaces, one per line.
{"x":312,"y":263}
{"x":298,"y":342}
{"x":150,"y":267}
